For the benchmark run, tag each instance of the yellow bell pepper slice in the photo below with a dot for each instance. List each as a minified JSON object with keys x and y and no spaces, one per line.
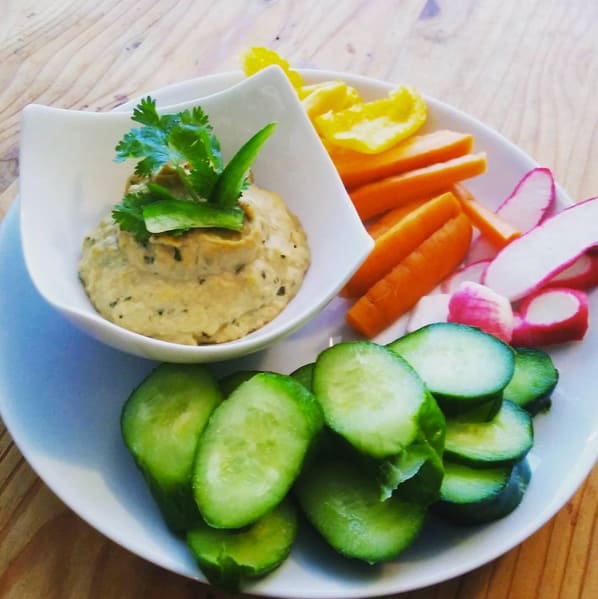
{"x":257,"y":58}
{"x":328,"y":95}
{"x":373,"y":127}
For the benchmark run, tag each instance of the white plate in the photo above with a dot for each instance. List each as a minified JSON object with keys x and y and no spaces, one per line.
{"x":61,"y":394}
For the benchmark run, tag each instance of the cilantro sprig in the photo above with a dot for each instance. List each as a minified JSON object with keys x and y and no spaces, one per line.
{"x":186,"y":142}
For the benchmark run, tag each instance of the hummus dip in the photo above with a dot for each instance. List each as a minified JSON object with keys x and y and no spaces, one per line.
{"x":205,"y":286}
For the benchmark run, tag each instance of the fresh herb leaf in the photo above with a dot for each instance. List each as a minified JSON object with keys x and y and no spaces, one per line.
{"x":184,"y":141}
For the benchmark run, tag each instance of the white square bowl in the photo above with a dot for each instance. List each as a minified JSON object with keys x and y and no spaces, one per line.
{"x":69,"y":182}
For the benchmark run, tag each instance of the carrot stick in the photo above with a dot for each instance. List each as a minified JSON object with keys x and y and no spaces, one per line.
{"x":382,"y":195}
{"x":495,"y":229}
{"x":388,"y":219}
{"x":356,"y":168}
{"x":400,"y":239}
{"x":412,"y":278}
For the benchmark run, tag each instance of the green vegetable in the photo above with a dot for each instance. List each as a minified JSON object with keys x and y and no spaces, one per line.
{"x":179,"y":215}
{"x":185,"y":142}
{"x":227,"y":557}
{"x":161,"y":423}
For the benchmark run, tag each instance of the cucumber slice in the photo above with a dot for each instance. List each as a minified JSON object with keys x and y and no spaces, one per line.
{"x":475,"y":496}
{"x":503,"y":441}
{"x":228,"y":557}
{"x":370,"y":396}
{"x":304,"y":375}
{"x":341,"y":500}
{"x":253,"y":448}
{"x":161,"y":423}
{"x":231,"y":381}
{"x":462,"y":366}
{"x":533,"y":381}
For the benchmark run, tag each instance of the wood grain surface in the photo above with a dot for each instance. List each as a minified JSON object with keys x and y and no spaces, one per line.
{"x":527,"y":68}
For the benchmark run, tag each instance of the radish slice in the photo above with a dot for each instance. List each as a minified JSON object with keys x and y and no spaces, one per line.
{"x":551,"y":316}
{"x":525,"y":208}
{"x":471,"y":272}
{"x":582,"y":274}
{"x":429,"y":309}
{"x":479,"y":306}
{"x":529,"y":261}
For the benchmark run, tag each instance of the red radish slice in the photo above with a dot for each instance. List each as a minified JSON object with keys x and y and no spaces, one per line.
{"x":429,"y":309}
{"x":551,"y":316}
{"x":471,"y":272}
{"x":526,"y":207}
{"x":529,"y":261}
{"x":582,"y":274}
{"x":479,"y":306}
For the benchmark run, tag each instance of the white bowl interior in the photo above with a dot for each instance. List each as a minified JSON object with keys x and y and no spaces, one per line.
{"x":69,"y":181}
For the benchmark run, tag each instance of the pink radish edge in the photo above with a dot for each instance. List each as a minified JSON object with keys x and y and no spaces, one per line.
{"x":479,"y":306}
{"x":580,"y":274}
{"x":529,"y":261}
{"x":551,"y":316}
{"x":472,"y":272}
{"x":519,"y":209}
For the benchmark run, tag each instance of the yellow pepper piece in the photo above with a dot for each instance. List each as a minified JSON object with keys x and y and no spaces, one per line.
{"x":373,"y":127}
{"x":257,"y":58}
{"x":328,"y":95}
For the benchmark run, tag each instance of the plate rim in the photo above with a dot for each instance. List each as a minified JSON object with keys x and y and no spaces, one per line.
{"x":591,"y":453}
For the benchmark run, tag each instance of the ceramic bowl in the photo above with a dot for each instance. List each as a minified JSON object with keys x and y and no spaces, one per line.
{"x":69,"y":182}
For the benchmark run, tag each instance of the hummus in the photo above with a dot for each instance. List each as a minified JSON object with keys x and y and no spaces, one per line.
{"x":205,"y":286}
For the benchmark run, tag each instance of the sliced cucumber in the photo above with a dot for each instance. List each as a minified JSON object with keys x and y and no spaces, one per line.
{"x":342,"y":502}
{"x":371,"y":397}
{"x":231,"y":381}
{"x":161,"y":423}
{"x":502,"y":441}
{"x":414,"y":475}
{"x":304,"y":375}
{"x":462,"y":366}
{"x":533,"y":381}
{"x":478,"y":495}
{"x":228,"y":557}
{"x":253,"y":448}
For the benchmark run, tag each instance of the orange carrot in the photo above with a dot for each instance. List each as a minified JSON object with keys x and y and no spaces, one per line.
{"x":495,"y":229}
{"x":357,"y":169}
{"x":382,"y":195}
{"x":400,"y":239}
{"x":412,"y":278}
{"x":388,"y":219}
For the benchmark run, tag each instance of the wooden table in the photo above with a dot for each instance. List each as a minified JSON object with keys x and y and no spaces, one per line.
{"x":527,"y":68}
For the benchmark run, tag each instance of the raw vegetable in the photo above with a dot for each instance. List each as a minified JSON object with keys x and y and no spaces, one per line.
{"x":531,"y":260}
{"x":498,"y":231}
{"x":399,"y":239}
{"x":526,"y":207}
{"x":357,"y":168}
{"x":253,"y":448}
{"x":185,"y":142}
{"x":172,"y":215}
{"x":428,"y":310}
{"x":503,"y":441}
{"x":161,"y":423}
{"x":471,"y":272}
{"x":373,"y":398}
{"x":305,"y":374}
{"x":550,"y":316}
{"x":231,"y":381}
{"x":229,"y":557}
{"x":342,"y":502}
{"x":480,"y":306}
{"x":372,"y":127}
{"x":319,"y":98}
{"x":462,"y":366}
{"x":379,"y":196}
{"x":479,"y":495}
{"x":533,"y":381}
{"x":412,"y":278}
{"x":257,"y":58}
{"x":582,"y":274}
